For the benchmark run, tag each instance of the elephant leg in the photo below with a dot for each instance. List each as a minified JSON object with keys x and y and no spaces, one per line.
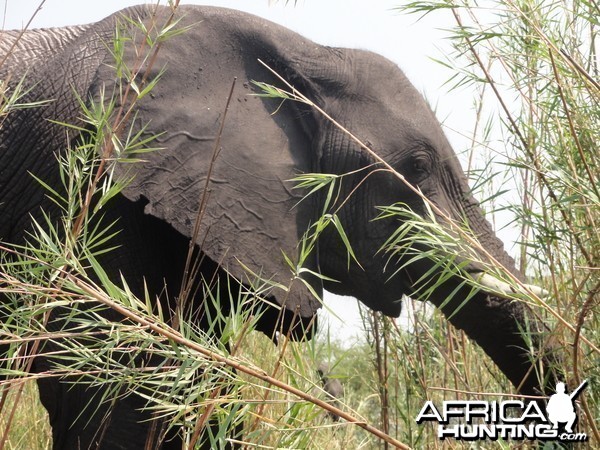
{"x":79,"y":420}
{"x":150,"y":256}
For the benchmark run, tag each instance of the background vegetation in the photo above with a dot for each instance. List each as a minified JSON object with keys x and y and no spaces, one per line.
{"x":534,"y":68}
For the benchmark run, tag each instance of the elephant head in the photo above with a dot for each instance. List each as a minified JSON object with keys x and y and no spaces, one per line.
{"x":253,"y":218}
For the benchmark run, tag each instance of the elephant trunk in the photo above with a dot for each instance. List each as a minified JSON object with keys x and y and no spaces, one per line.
{"x":507,"y":330}
{"x":510,"y":334}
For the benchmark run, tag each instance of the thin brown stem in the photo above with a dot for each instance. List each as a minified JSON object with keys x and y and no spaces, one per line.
{"x":176,"y":337}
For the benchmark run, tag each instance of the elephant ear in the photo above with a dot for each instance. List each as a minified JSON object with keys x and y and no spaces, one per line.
{"x":253,"y":219}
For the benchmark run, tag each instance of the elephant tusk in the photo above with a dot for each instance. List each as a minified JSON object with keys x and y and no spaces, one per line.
{"x":497,"y":285}
{"x":537,"y":291}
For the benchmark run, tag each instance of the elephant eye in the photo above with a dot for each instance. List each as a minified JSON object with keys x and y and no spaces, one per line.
{"x":420,"y":165}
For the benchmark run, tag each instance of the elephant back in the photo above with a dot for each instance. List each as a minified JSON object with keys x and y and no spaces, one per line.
{"x":21,"y":51}
{"x":51,"y":68}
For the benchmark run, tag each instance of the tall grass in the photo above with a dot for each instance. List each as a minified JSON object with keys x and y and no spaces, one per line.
{"x":534,"y":67}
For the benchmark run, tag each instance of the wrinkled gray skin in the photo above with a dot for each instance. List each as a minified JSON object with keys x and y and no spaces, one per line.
{"x":251,"y":214}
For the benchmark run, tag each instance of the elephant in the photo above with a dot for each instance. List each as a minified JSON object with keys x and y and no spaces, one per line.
{"x":253,"y":219}
{"x":332,"y":386}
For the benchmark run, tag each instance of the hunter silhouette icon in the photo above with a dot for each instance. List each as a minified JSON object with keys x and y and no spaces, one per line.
{"x":560,"y":406}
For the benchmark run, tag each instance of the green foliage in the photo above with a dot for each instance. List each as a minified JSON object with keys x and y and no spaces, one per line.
{"x":535,"y":60}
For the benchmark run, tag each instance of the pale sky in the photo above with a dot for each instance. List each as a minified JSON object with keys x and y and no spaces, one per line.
{"x":369,"y":25}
